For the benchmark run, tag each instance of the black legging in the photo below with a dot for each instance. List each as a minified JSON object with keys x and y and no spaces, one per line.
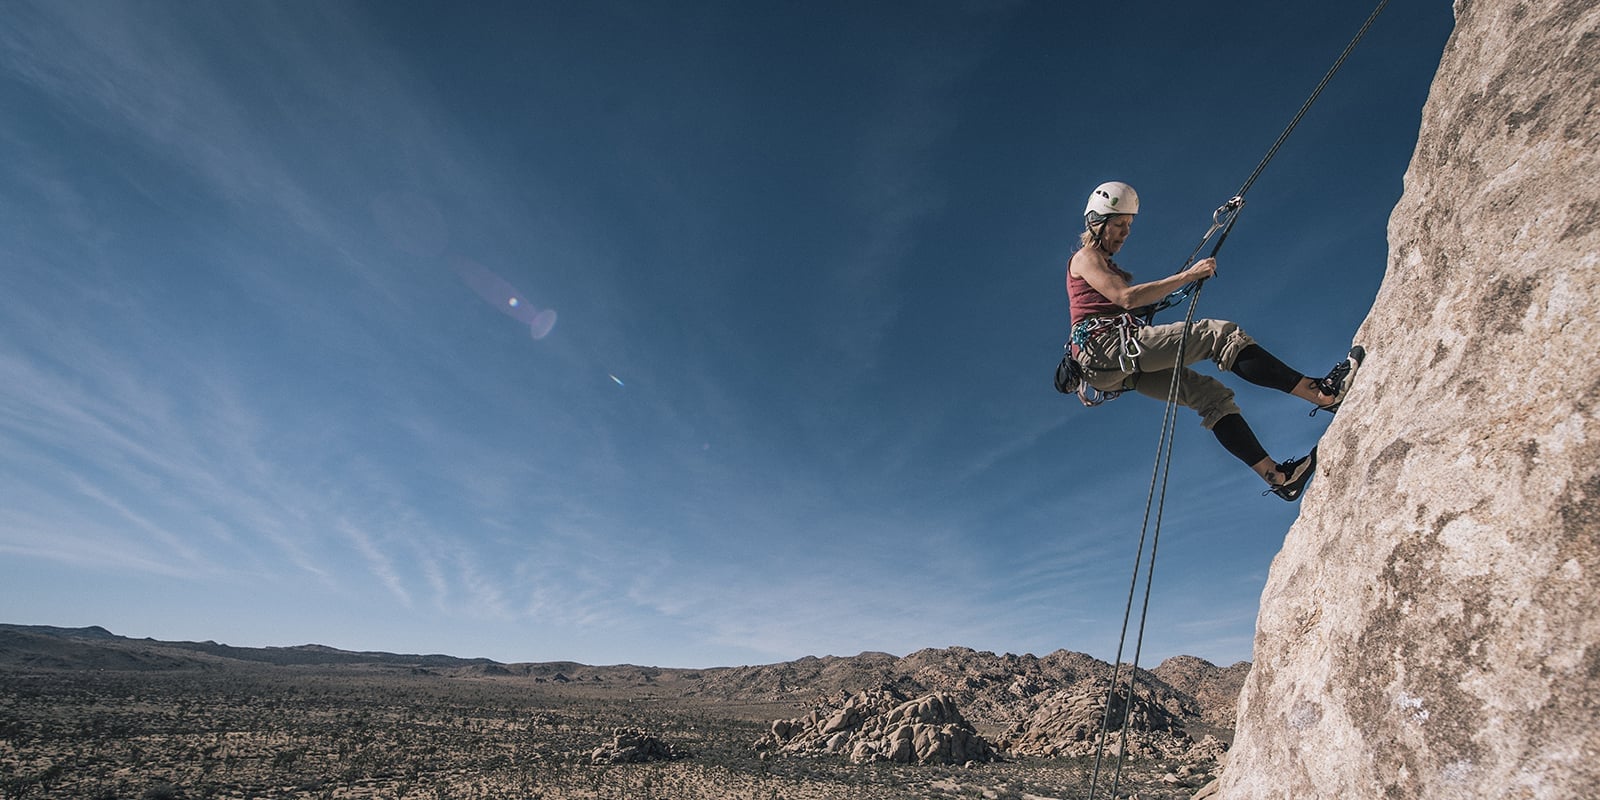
{"x":1261,"y":368}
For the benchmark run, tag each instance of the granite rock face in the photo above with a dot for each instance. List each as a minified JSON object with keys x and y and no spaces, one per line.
{"x":1431,"y":628}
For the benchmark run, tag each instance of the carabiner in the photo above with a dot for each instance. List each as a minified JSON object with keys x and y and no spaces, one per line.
{"x":1230,"y":207}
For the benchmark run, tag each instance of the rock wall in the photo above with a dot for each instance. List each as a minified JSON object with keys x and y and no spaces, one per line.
{"x":1431,"y":628}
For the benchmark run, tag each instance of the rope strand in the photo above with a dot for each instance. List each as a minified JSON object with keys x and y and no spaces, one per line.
{"x":1312,"y":99}
{"x":1163,"y":460}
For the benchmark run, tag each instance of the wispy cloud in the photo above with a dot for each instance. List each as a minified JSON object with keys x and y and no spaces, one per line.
{"x":130,"y":72}
{"x":85,"y":418}
{"x":235,"y":353}
{"x":378,"y":562}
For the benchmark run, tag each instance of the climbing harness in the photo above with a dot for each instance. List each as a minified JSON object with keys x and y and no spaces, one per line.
{"x":1070,"y":377}
{"x":1222,"y":221}
{"x":1071,"y":380}
{"x":1126,"y":327}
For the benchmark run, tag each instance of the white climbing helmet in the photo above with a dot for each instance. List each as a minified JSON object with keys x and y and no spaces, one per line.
{"x":1111,"y":197}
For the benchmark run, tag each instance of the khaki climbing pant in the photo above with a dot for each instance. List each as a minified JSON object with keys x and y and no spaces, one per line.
{"x":1216,"y":340}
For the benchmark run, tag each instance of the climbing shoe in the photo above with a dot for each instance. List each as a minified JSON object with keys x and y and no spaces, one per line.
{"x":1296,"y":474}
{"x":1340,"y":379}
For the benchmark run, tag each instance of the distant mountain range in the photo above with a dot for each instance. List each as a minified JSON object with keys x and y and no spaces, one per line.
{"x":992,"y":688}
{"x":94,"y":647}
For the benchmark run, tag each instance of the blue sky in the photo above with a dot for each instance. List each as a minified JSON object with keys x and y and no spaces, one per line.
{"x":788,"y":296}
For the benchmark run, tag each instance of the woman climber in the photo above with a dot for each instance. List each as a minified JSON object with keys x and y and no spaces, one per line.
{"x":1117,"y":351}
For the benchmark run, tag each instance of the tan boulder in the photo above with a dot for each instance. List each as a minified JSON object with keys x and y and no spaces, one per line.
{"x":883,"y":725}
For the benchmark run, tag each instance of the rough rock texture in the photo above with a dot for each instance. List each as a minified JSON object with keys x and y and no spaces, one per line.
{"x":882,"y":725}
{"x":1431,"y":628}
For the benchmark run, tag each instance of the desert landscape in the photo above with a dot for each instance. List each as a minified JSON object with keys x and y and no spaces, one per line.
{"x":85,"y":713}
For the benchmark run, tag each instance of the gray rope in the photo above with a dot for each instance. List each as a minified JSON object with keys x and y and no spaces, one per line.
{"x":1312,"y":99}
{"x":1163,"y":461}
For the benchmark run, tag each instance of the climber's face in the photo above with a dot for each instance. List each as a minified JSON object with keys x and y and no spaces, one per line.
{"x":1116,"y":232}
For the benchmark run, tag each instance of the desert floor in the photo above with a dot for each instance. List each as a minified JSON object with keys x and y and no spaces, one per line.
{"x":343,"y":732}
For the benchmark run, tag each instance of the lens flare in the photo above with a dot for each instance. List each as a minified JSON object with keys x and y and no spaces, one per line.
{"x":505,"y":298}
{"x":542,"y":322}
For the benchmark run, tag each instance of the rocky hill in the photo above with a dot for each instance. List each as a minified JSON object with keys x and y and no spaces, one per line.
{"x":1431,"y":628}
{"x":1216,"y":690}
{"x":46,"y":647}
{"x":992,"y":690}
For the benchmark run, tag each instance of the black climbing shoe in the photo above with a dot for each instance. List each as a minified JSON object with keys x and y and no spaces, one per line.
{"x":1296,"y":474}
{"x":1340,"y":379}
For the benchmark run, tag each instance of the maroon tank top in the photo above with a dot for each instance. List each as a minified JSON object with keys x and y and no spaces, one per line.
{"x":1086,"y":301}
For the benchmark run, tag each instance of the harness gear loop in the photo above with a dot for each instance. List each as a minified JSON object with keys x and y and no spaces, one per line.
{"x":1070,"y":373}
{"x":1126,"y":325}
{"x":1070,"y":380}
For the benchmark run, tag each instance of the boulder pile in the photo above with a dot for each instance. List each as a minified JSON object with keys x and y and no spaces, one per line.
{"x":634,"y":746}
{"x":882,"y":724}
{"x":1069,"y":723}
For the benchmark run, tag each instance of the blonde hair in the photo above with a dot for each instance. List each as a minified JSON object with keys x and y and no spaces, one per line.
{"x":1087,"y":238}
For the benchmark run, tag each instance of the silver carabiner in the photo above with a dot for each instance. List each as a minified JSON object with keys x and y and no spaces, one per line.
{"x":1131,"y":350}
{"x":1230,"y":207}
{"x":1227,"y":209}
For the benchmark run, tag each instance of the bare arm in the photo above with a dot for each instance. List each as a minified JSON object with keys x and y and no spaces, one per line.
{"x":1092,"y":266}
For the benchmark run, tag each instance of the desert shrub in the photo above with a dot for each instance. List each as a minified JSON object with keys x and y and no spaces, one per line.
{"x":162,"y":791}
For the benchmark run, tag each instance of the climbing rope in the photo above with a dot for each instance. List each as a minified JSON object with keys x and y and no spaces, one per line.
{"x":1155,"y":499}
{"x":1222,"y":221}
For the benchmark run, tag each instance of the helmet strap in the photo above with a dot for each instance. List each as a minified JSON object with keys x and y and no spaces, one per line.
{"x":1097,"y":228}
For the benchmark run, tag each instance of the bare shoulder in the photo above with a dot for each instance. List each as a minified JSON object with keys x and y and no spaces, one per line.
{"x":1088,"y":261}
